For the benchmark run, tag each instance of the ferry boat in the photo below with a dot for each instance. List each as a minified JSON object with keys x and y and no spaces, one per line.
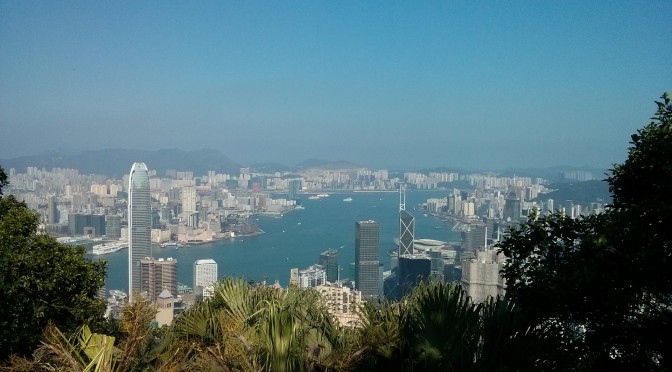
{"x":106,"y":248}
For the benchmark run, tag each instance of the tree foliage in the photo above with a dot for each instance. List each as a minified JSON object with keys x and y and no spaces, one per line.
{"x":605,"y":280}
{"x":41,"y":280}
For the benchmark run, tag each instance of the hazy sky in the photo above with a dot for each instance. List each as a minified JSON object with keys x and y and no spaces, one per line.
{"x":469,"y":83}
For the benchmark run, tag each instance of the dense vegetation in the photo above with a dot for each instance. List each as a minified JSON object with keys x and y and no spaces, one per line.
{"x":582,"y":294}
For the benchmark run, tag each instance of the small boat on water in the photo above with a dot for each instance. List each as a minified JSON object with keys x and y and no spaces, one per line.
{"x":347,"y":199}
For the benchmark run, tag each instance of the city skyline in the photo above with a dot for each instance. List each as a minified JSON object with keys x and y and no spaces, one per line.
{"x":485,"y":85}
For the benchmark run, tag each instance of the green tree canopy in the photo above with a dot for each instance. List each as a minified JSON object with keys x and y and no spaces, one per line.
{"x":41,"y":280}
{"x":605,"y":280}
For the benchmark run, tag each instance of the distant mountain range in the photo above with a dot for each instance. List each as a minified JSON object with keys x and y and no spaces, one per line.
{"x":117,"y":162}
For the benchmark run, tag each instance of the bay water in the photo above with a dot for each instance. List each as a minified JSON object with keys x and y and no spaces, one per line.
{"x":298,"y":238}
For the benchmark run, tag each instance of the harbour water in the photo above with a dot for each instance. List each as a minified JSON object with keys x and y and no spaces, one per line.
{"x":297,"y":239}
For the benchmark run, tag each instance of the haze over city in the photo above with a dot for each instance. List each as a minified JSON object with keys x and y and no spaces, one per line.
{"x":487,"y":85}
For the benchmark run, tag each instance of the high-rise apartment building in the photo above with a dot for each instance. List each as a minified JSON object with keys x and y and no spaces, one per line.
{"x":329,"y":260}
{"x":367,"y":257}
{"x":158,"y":275}
{"x":189,"y":199}
{"x":139,"y":224}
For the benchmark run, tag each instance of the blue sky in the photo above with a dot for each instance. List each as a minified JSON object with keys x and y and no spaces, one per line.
{"x":394,"y":84}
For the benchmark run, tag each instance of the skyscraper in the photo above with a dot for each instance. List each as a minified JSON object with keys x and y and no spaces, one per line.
{"x":406,"y":225}
{"x":139,"y":224}
{"x":157,"y":276}
{"x":512,"y":207}
{"x":189,"y":199}
{"x":329,"y":259}
{"x":367,"y":257}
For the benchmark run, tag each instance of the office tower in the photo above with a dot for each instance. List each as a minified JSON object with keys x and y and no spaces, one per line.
{"x":475,"y":237}
{"x":205,"y":275}
{"x":52,"y":210}
{"x":412,"y":270}
{"x":294,"y":188}
{"x":406,"y":225}
{"x":189,"y":199}
{"x":113,"y":226}
{"x":512,"y":207}
{"x":79,"y":223}
{"x":367,"y":256}
{"x":139,"y":225}
{"x":436,"y":267}
{"x":329,"y":260}
{"x":157,"y":275}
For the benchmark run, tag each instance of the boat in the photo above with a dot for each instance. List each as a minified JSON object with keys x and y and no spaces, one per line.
{"x":299,"y":207}
{"x":314,"y":197}
{"x":168,"y":244}
{"x":347,"y":199}
{"x":322,"y":195}
{"x":106,"y":248}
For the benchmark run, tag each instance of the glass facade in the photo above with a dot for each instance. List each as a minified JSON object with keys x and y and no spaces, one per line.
{"x":406,"y":233}
{"x":139,"y":224}
{"x":367,"y":257}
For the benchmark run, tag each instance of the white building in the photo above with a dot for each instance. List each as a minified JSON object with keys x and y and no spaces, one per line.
{"x":205,"y":277}
{"x":312,"y":276}
{"x":481,"y":277}
{"x":189,"y":199}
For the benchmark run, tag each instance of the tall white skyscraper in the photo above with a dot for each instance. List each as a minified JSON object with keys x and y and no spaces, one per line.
{"x":139,"y":224}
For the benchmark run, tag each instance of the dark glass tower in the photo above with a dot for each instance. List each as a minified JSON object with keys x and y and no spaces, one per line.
{"x":367,"y":257}
{"x":329,"y":260}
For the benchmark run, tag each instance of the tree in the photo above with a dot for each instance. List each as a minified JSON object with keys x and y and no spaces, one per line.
{"x":41,"y":280}
{"x":605,"y":280}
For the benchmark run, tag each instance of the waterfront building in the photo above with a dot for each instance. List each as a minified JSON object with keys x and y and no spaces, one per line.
{"x":294,"y":277}
{"x":157,"y":275}
{"x":367,"y":257}
{"x":139,"y":225}
{"x":86,"y":224}
{"x":205,"y":276}
{"x":113,"y":226}
{"x":294,"y":188}
{"x":329,"y":260}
